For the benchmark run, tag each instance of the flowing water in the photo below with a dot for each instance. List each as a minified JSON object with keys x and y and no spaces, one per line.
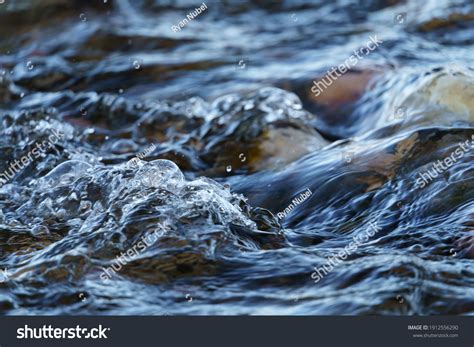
{"x":199,"y":140}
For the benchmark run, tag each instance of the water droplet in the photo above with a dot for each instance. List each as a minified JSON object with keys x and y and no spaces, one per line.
{"x":29,"y":65}
{"x":2,"y":2}
{"x":242,"y":157}
{"x":83,"y":17}
{"x":22,"y":95}
{"x":136,"y":64}
{"x":83,"y":111}
{"x":228,"y":168}
{"x":120,"y":91}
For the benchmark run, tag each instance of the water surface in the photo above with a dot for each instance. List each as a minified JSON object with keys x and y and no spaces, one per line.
{"x":226,"y":133}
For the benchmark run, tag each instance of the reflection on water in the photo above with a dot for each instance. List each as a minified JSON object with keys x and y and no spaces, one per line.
{"x":225,"y":135}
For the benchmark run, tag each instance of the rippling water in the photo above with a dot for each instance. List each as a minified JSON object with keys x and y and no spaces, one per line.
{"x":199,"y":141}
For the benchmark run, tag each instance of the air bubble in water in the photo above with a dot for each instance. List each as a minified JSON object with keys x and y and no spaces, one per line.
{"x":160,"y":172}
{"x":83,"y":17}
{"x":136,"y":64}
{"x":64,"y":174}
{"x":29,"y":65}
{"x":228,"y":168}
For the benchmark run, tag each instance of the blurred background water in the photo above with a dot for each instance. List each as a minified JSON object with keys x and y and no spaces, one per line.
{"x":238,"y":135}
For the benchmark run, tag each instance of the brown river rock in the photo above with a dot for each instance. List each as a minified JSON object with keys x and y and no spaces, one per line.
{"x":334,"y":105}
{"x":439,"y":97}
